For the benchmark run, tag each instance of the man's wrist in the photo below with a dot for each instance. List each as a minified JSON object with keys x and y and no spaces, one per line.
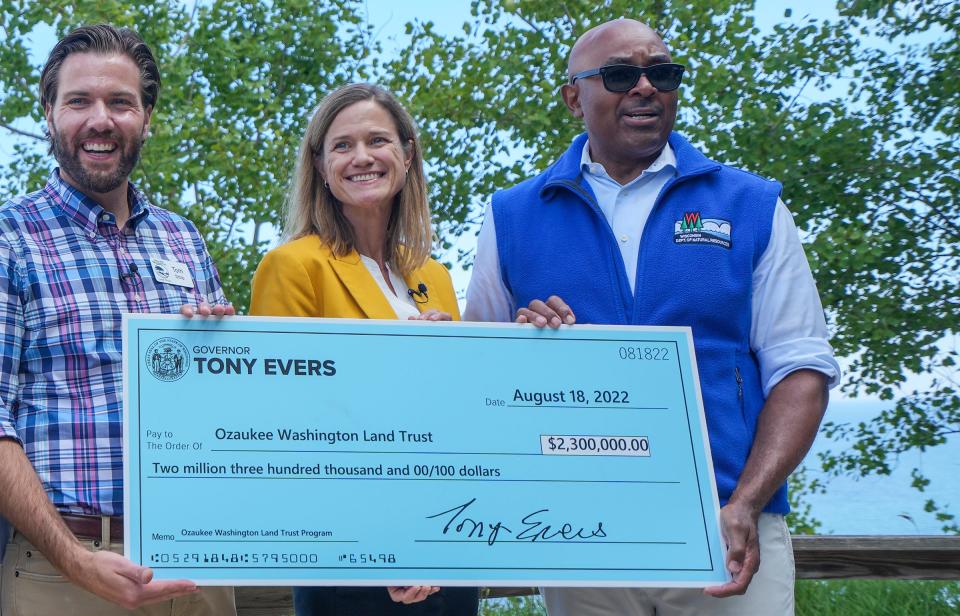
{"x":70,"y":559}
{"x":752,"y":505}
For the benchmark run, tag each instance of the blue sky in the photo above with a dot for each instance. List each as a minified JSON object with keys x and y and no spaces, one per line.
{"x":448,"y":16}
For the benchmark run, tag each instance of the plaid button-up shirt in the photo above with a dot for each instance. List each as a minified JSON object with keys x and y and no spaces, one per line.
{"x":67,"y":275}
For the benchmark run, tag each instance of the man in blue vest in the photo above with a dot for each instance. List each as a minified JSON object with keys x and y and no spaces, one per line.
{"x":633,"y":225}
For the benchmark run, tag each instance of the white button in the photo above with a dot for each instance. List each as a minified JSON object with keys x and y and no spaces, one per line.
{"x":136,"y":298}
{"x":624,"y":238}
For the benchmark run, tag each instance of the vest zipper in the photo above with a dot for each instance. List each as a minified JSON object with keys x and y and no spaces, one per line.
{"x":736,"y":370}
{"x":594,"y":206}
{"x":654,"y":211}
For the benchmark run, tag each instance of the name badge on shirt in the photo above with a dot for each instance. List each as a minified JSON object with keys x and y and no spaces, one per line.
{"x":171,"y":272}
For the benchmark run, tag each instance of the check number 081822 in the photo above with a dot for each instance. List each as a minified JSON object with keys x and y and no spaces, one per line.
{"x":645,"y":353}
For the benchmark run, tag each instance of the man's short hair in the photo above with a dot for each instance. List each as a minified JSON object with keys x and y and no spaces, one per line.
{"x":106,"y":40}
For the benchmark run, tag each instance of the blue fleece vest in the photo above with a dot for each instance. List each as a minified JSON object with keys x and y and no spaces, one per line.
{"x":706,"y":232}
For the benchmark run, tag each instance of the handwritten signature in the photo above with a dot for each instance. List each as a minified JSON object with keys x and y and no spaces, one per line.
{"x":534,"y":528}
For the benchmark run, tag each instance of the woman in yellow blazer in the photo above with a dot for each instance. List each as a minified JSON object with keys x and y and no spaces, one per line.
{"x":358,"y":246}
{"x":305,"y":278}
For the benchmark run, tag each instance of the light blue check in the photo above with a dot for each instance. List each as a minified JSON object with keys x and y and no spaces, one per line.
{"x":337,"y":452}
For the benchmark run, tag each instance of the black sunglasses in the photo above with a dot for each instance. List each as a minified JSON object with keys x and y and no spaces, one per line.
{"x":623,"y":77}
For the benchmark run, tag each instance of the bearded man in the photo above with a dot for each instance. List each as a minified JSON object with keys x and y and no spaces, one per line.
{"x":74,"y":257}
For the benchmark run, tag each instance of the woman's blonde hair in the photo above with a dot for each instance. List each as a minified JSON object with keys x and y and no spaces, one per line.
{"x":312,"y":208}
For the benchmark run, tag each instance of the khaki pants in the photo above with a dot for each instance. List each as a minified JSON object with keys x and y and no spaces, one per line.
{"x":4,"y":535}
{"x":32,"y":587}
{"x":769,"y":594}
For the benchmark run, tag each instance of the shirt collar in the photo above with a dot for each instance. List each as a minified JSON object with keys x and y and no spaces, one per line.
{"x":667,"y":160}
{"x":86,"y":212}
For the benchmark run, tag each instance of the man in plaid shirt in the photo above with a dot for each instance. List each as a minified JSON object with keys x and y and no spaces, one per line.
{"x":75,"y":256}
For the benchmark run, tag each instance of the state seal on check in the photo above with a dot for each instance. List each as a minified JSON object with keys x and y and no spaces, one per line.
{"x":167,"y":359}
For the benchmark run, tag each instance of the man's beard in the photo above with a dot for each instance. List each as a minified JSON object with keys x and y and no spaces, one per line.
{"x":98,"y":182}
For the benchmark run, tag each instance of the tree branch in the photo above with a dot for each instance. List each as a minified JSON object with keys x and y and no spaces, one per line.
{"x":23,"y":133}
{"x":233,"y":224}
{"x":197,"y":198}
{"x":954,"y":228}
{"x":574,"y":29}
{"x":535,"y":27}
{"x":786,"y":110}
{"x":186,"y":40}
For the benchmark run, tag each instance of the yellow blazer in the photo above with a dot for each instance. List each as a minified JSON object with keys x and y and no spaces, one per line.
{"x":303,"y":278}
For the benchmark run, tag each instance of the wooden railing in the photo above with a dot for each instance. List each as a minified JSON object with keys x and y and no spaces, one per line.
{"x":818,"y":558}
{"x":829,"y":557}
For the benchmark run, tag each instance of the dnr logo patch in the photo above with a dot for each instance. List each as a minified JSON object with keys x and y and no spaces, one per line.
{"x":167,"y":359}
{"x":692,"y":229}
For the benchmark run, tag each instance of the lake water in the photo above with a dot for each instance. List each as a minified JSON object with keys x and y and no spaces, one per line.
{"x":886,"y":505}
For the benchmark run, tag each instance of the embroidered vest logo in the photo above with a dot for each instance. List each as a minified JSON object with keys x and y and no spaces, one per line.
{"x":167,"y":359}
{"x":692,"y":229}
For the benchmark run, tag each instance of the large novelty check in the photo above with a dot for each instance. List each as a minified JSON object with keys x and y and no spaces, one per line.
{"x":309,"y":451}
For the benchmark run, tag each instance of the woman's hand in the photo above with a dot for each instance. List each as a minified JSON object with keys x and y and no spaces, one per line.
{"x":411,"y":594}
{"x":432,"y":315}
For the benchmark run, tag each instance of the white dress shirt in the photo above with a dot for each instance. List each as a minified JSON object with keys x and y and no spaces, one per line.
{"x":401,"y":301}
{"x":787,"y":330}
